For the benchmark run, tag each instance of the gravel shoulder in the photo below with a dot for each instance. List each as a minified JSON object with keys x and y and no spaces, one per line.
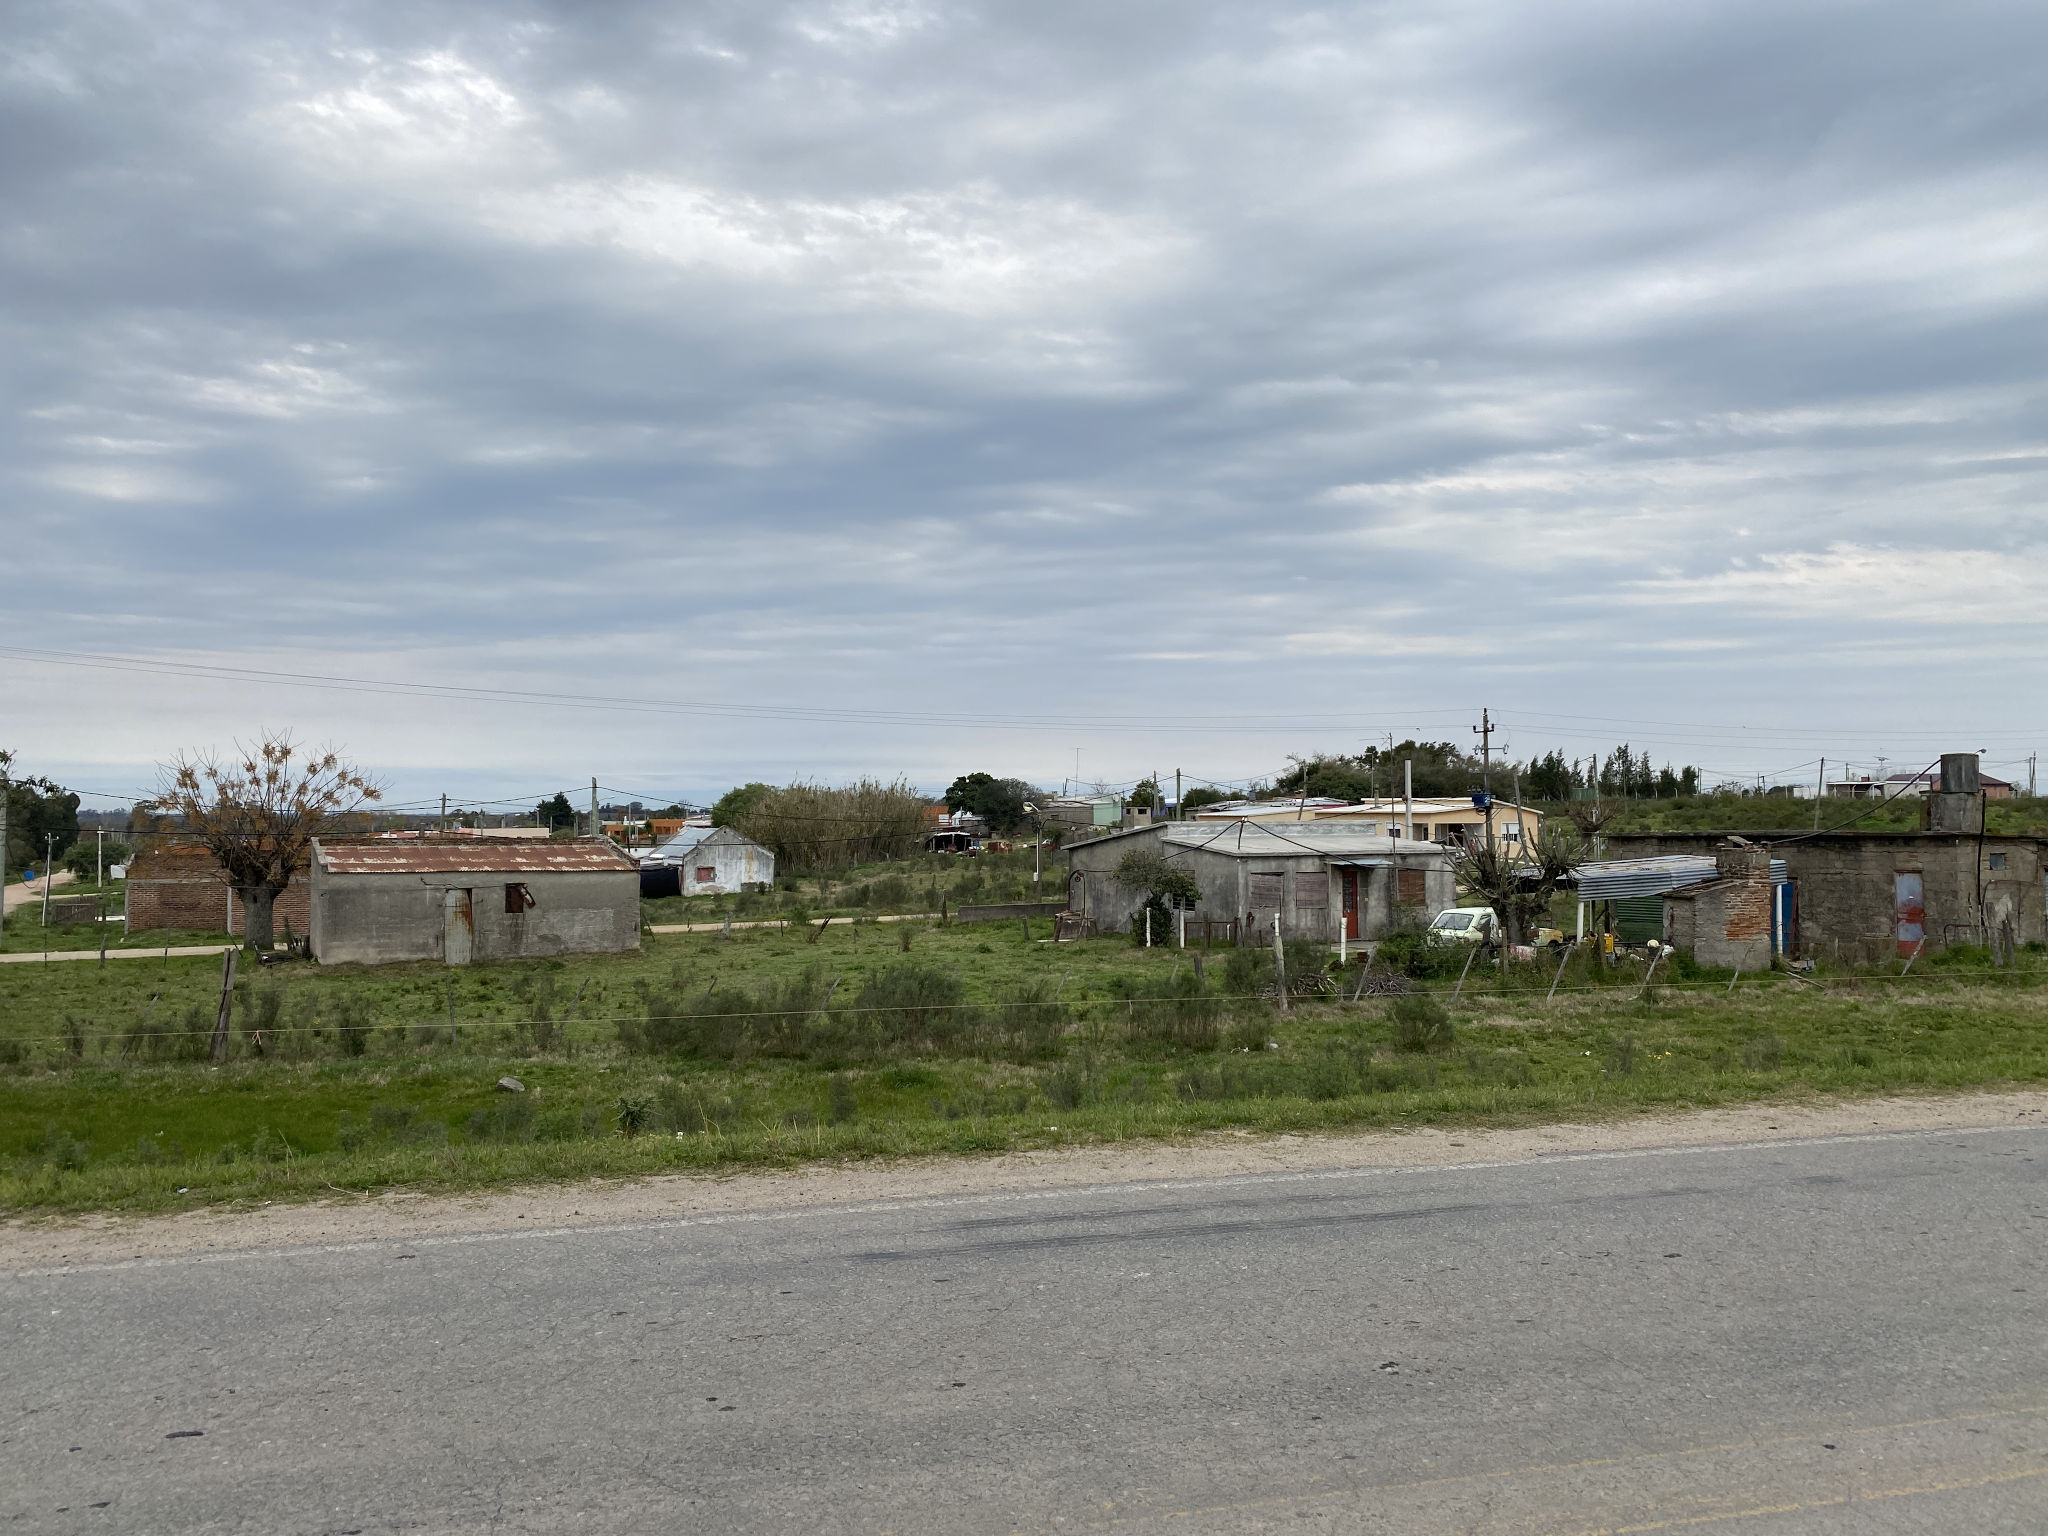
{"x":42,"y":1242}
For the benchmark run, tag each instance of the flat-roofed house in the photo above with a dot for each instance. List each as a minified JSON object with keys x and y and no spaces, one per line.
{"x":467,"y":900}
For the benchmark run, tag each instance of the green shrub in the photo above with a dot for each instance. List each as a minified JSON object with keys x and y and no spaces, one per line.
{"x":1177,"y":1009}
{"x":1420,"y":1023}
{"x":1418,"y":955}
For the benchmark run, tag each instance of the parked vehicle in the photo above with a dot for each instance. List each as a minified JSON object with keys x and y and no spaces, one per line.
{"x":1466,"y":925}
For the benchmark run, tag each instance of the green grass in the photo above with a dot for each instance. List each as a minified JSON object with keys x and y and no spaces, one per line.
{"x":23,"y":931}
{"x":977,"y":1040}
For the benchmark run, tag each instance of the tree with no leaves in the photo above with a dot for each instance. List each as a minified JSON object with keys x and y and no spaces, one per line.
{"x":259,"y":811}
{"x":1518,"y":884}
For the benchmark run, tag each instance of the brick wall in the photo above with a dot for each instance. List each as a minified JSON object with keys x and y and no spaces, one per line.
{"x":183,"y":888}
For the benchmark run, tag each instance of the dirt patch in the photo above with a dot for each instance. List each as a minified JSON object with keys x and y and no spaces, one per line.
{"x":42,"y":1243}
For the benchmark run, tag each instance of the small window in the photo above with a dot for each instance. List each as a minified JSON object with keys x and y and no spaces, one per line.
{"x":517,"y":898}
{"x":1998,"y":861}
{"x":706,"y":873}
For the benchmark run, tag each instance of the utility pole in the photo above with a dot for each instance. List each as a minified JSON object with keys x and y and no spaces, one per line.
{"x":1820,"y":792}
{"x":1408,"y":799}
{"x":1178,"y":817}
{"x":49,"y":852}
{"x":1484,"y":731}
{"x":5,"y":866}
{"x":99,"y":858}
{"x":444,"y":811}
{"x":2030,"y":773}
{"x":596,"y":828}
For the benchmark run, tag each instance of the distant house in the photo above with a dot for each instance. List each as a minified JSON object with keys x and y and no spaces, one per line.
{"x":711,"y":861}
{"x":1075,"y":812}
{"x":462,"y":900}
{"x":1317,"y":879}
{"x":1902,"y":784}
{"x":1450,"y":819}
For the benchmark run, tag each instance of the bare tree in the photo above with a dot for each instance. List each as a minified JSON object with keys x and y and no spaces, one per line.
{"x":259,"y":811}
{"x":1518,"y":885}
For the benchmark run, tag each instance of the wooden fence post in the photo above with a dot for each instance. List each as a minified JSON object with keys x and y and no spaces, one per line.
{"x":227,"y":1003}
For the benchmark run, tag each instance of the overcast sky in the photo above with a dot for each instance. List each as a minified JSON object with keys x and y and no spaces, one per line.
{"x":951,"y":387}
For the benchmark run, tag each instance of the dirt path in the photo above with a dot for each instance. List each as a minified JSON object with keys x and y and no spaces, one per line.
{"x":18,"y":893}
{"x":42,"y":1242}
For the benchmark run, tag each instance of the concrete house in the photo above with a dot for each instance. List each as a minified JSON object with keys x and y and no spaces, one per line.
{"x":471,"y":899}
{"x":713,"y":861}
{"x":1869,"y":896}
{"x":1321,"y":879}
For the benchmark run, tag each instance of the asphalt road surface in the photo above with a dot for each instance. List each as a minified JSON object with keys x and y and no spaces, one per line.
{"x":1831,"y":1336}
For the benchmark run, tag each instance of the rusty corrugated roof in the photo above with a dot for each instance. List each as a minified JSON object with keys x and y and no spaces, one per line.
{"x":478,"y":856}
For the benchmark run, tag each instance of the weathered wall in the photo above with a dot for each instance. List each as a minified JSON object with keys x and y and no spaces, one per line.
{"x":735,"y":866}
{"x":1845,"y":886}
{"x":384,"y":918}
{"x":1009,"y":909}
{"x":1725,"y":923}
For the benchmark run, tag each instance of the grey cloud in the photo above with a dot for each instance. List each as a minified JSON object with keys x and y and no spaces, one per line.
{"x":1396,"y":358}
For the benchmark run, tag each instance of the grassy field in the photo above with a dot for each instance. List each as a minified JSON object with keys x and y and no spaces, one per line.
{"x":23,"y":932}
{"x":2022,"y":815}
{"x":782,"y":1044}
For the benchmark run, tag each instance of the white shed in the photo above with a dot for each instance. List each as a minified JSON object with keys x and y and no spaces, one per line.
{"x":714,"y":861}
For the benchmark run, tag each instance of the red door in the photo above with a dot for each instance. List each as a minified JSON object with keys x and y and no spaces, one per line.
{"x":1909,"y":905}
{"x":1350,"y":903}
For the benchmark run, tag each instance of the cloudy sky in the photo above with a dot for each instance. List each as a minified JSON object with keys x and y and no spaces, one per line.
{"x":852,"y":387}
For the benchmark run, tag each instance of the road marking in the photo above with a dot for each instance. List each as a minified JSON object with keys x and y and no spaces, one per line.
{"x":998,"y":1197}
{"x":1360,"y":1490}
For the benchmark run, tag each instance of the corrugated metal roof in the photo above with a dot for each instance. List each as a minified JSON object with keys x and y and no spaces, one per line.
{"x":583,"y":855}
{"x":1625,"y":879}
{"x":1285,"y":840}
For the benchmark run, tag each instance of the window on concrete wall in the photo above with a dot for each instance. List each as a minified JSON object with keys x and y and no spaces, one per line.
{"x":706,"y":873}
{"x":1998,"y":861}
{"x":1266,"y":892}
{"x":517,"y":898}
{"x":1411,"y":889}
{"x":1311,"y":888}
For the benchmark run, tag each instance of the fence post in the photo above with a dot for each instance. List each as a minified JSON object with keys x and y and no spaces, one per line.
{"x":1464,"y":973}
{"x":219,"y":1051}
{"x":1280,"y":962}
{"x":1567,"y":960}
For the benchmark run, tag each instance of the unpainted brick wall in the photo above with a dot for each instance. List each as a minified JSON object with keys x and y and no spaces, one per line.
{"x":208,"y":906}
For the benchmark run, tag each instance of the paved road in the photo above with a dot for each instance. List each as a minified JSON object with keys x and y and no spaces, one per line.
{"x":1825,"y":1337}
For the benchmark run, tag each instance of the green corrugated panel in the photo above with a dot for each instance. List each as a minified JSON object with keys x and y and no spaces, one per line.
{"x":1639,"y":919}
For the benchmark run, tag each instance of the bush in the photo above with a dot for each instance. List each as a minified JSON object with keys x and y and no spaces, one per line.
{"x":1173,"y":1010}
{"x":1414,"y":953}
{"x":1420,"y":1024}
{"x":1027,"y":1022}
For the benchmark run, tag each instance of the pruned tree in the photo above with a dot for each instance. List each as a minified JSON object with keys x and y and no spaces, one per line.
{"x":1518,"y":884}
{"x":258,"y":812}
